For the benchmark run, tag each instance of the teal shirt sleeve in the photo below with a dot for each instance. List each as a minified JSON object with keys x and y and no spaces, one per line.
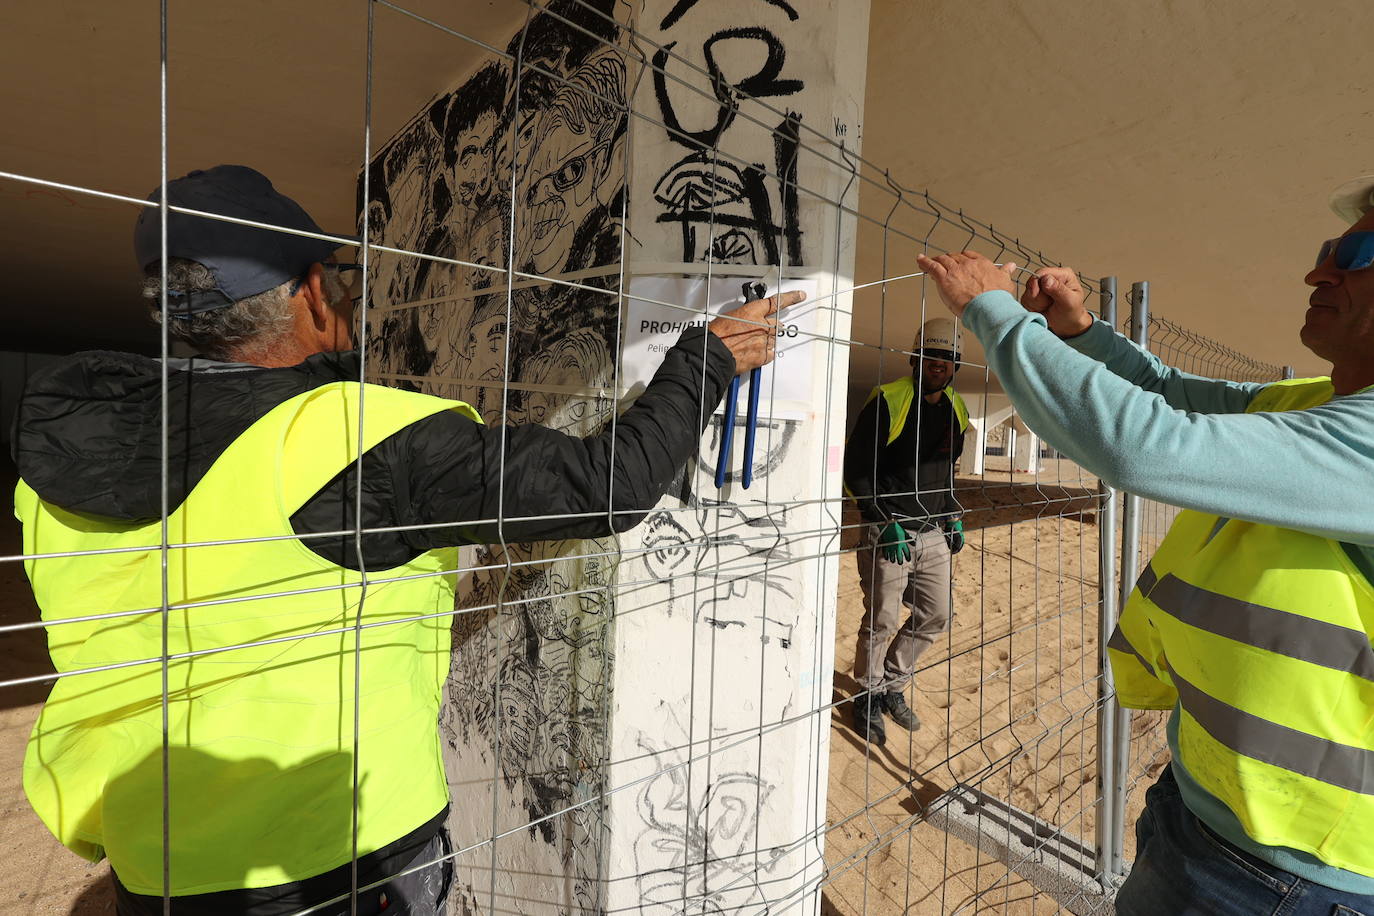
{"x":1180,"y":439}
{"x":1180,"y":390}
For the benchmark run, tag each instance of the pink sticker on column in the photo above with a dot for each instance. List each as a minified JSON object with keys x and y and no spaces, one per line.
{"x":836,"y":453}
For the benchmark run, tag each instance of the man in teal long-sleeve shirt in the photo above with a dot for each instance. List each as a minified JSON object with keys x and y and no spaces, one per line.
{"x":1253,"y":620}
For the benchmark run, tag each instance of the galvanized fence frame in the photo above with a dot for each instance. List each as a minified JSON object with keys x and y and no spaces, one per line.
{"x":1119,"y":766}
{"x":1132,"y":745}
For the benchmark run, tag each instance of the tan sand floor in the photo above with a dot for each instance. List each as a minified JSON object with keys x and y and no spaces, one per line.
{"x":1008,"y":705}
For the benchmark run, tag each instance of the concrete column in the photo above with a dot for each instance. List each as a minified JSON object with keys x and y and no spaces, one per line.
{"x":1026,"y":454}
{"x":614,"y":707}
{"x":980,"y":446}
{"x":735,"y":634}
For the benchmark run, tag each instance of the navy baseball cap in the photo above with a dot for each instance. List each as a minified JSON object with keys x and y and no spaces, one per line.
{"x":245,"y":261}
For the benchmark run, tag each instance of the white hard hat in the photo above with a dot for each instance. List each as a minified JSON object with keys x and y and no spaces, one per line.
{"x":1353,"y":199}
{"x":938,"y":334}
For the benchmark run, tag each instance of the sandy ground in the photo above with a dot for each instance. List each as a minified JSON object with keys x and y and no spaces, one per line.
{"x":37,"y":875}
{"x":1007,"y":702}
{"x":1008,"y":706}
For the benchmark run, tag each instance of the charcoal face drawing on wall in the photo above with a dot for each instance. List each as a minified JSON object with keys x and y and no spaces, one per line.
{"x":529,"y":685}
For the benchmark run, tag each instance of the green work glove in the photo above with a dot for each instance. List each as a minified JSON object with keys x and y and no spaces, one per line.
{"x":895,"y":544}
{"x":954,"y":534}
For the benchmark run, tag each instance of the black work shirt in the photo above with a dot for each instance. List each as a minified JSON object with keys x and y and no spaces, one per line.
{"x":911,"y":479}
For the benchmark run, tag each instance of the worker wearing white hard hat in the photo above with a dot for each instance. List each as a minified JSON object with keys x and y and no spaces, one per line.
{"x":899,"y":466}
{"x":1253,"y":621}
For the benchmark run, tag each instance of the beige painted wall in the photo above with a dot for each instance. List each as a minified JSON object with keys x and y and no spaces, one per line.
{"x":279,"y":86}
{"x":1189,"y":144}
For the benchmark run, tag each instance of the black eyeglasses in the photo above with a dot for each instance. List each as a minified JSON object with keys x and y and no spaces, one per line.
{"x":573,"y":169}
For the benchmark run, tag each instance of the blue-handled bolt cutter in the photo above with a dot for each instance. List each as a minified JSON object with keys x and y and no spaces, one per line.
{"x":752,"y":290}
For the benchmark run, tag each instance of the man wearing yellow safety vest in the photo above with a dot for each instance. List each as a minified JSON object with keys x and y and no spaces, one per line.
{"x":1252,"y":622}
{"x":301,"y":699}
{"x":899,"y":467}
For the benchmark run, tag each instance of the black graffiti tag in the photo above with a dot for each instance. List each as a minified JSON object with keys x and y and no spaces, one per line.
{"x":683,"y":6}
{"x":766,"y":82}
{"x":732,"y":203}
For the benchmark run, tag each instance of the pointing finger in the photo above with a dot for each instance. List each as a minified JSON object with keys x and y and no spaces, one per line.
{"x":784,"y":300}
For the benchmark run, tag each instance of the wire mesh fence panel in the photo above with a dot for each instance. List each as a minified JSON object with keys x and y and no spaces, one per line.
{"x":1005,"y":761}
{"x":1195,"y":354}
{"x":631,"y":645}
{"x":1190,"y":352}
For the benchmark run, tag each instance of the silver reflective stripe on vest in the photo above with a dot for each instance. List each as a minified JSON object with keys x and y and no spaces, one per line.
{"x":1336,"y":764}
{"x":1120,"y":643}
{"x":1280,"y":632}
{"x":1146,"y":583}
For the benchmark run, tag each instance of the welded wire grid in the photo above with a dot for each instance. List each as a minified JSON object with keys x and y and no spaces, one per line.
{"x":1194,"y":353}
{"x":1198,"y":355}
{"x":1009,"y":696}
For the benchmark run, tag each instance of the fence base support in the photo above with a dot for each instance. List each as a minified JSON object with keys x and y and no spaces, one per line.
{"x":1053,"y":863}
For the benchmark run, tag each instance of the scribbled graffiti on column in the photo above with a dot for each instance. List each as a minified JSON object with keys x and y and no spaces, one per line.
{"x":731,"y":210}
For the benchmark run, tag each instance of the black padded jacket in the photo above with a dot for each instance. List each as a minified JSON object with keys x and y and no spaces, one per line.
{"x":88,"y":435}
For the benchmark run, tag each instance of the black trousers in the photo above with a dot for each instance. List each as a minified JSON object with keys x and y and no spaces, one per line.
{"x":420,"y":893}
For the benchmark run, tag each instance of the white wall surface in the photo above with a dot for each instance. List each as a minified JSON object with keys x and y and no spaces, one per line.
{"x":724,"y":646}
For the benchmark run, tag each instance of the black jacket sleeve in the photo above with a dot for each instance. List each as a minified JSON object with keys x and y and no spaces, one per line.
{"x":448,"y":469}
{"x":861,"y":458}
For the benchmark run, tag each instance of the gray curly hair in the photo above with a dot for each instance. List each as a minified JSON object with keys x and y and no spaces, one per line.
{"x":256,"y":322}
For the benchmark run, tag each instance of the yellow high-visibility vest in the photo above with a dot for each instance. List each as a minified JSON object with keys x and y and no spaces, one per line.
{"x":1261,"y":635}
{"x":900,"y":395}
{"x":261,"y":735}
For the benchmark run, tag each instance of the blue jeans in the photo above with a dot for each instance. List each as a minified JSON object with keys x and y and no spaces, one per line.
{"x":1184,"y":869}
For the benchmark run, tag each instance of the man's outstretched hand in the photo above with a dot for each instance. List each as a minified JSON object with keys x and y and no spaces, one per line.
{"x":962,"y":275}
{"x":1056,"y":293}
{"x":751,"y":331}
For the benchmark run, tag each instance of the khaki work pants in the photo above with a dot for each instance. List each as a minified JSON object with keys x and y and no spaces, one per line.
{"x":887,"y":654}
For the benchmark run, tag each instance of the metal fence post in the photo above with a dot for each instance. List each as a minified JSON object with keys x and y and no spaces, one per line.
{"x":1288,"y":372}
{"x":1109,"y":606}
{"x":1130,"y":570}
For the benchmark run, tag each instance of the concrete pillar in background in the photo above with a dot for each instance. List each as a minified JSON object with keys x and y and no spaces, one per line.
{"x":1026,"y":455}
{"x":980,"y":447}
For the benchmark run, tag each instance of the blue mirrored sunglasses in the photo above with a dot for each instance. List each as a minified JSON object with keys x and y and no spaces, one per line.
{"x":1354,"y":251}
